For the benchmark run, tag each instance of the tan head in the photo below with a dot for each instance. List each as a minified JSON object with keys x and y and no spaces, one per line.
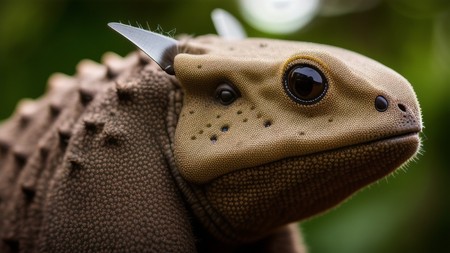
{"x":275,"y":131}
{"x":276,"y":113}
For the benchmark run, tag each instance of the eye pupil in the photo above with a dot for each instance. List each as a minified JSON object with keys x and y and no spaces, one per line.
{"x":226,"y":94}
{"x":305,"y":84}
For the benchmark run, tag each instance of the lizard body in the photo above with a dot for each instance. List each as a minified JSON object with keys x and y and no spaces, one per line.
{"x":221,"y":157}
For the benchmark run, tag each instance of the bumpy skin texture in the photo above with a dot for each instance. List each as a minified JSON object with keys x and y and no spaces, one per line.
{"x":87,"y":171}
{"x":119,"y":158}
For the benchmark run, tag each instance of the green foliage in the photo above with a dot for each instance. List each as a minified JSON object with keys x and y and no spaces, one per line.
{"x":407,"y":212}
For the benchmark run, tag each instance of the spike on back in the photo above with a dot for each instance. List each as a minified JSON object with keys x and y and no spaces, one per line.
{"x":85,"y":96}
{"x":28,"y":193}
{"x":92,"y":126}
{"x":91,"y":70}
{"x":4,"y":147}
{"x":74,"y":163}
{"x":20,"y":157}
{"x":124,"y":91}
{"x":64,"y":136}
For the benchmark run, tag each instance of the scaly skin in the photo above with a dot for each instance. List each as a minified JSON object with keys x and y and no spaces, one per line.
{"x":125,"y":158}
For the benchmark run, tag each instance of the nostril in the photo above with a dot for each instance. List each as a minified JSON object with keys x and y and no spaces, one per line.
{"x":381,"y":103}
{"x":402,"y":107}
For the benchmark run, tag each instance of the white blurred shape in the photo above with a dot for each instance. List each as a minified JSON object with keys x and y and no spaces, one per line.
{"x":279,"y":16}
{"x":227,"y":26}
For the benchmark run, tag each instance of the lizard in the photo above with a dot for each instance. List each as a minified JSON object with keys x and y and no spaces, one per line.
{"x":223,"y":152}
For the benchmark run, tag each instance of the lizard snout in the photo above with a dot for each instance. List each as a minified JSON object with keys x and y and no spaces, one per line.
{"x":410,"y":120}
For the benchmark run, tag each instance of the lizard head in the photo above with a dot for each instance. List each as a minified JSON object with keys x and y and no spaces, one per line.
{"x":272,"y":132}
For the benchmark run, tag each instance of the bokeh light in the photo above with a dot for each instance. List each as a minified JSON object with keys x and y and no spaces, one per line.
{"x":279,"y":16}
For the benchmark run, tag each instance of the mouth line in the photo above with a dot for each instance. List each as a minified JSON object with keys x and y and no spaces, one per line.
{"x":388,"y":138}
{"x":414,"y":133}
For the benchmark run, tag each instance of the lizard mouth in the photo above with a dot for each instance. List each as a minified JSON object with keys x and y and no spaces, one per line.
{"x":246,"y":204}
{"x":395,"y":151}
{"x":404,"y":136}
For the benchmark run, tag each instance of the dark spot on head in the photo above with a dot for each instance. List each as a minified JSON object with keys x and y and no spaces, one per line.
{"x":239,"y":112}
{"x":208,"y":125}
{"x":193,"y":137}
{"x":224,"y":128}
{"x":213,"y":139}
{"x":267,"y":123}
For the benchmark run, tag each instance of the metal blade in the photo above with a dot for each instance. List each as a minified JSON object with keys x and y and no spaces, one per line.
{"x":227,"y":26}
{"x":160,"y":48}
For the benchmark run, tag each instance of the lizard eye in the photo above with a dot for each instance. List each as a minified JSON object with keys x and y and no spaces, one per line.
{"x":305,"y":84}
{"x":226,"y":94}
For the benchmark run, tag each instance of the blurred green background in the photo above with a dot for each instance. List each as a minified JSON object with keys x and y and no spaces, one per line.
{"x":407,"y":212}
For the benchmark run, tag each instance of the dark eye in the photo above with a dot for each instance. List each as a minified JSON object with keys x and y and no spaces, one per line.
{"x":305,"y":84}
{"x":226,"y":94}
